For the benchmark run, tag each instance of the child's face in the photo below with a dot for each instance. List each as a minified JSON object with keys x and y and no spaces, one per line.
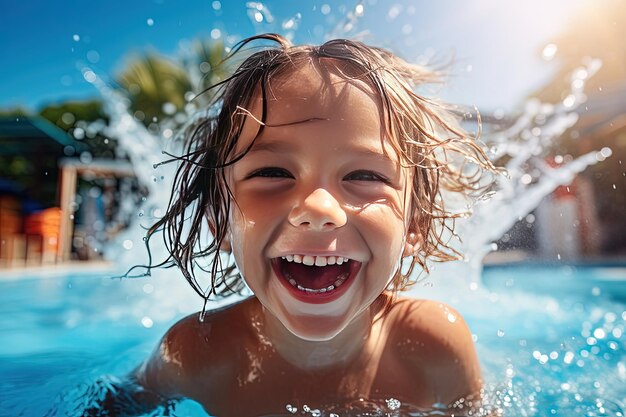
{"x":319,"y":185}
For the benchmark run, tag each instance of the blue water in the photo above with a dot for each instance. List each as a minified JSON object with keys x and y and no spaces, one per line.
{"x":551,"y":338}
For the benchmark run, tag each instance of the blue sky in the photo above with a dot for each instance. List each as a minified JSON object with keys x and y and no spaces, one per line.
{"x":496,"y":44}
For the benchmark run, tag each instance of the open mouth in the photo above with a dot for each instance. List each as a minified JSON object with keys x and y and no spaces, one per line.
{"x":315,"y":278}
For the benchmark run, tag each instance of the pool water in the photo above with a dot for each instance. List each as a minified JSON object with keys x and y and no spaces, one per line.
{"x":551,"y":338}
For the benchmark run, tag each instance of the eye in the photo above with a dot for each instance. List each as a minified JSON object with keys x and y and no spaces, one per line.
{"x":363,"y":175}
{"x":270,"y":172}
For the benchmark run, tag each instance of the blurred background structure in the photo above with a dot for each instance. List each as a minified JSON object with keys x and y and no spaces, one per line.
{"x":64,"y":181}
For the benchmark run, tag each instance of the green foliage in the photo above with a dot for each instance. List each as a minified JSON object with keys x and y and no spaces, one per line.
{"x":77,"y":118}
{"x":160,"y":88}
{"x":154,"y":83}
{"x":14,"y":112}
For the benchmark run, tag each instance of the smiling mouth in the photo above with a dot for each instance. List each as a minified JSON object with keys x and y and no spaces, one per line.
{"x":315,"y":276}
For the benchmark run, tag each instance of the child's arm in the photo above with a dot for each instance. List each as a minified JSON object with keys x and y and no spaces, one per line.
{"x":170,"y":368}
{"x":113,"y":396}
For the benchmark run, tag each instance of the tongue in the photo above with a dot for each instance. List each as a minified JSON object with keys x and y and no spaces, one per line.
{"x":313,"y":277}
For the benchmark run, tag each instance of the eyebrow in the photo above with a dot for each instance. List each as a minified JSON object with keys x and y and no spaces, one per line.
{"x":288,"y":146}
{"x":271,"y":146}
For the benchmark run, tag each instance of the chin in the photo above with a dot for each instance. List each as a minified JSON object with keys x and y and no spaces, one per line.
{"x":315,"y":328}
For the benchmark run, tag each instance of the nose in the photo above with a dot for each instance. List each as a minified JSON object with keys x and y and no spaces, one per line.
{"x":318,"y":211}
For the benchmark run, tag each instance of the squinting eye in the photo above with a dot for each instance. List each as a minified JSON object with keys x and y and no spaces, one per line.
{"x":270,"y":172}
{"x":365,"y":176}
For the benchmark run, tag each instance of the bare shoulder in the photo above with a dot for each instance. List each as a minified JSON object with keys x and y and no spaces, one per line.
{"x":194,"y":352}
{"x":432,"y":319}
{"x":435,"y":339}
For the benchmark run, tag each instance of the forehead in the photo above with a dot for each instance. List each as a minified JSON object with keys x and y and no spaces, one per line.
{"x":313,"y":92}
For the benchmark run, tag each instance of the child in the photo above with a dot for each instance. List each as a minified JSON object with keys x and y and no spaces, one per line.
{"x":321,"y":173}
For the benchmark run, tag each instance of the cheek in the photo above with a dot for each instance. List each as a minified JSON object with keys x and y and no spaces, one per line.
{"x":249,"y":231}
{"x":384,"y":229}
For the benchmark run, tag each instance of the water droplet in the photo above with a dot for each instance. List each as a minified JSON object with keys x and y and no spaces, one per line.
{"x":90,"y":76}
{"x":291,"y":409}
{"x":394,"y":11}
{"x":599,"y":333}
{"x":569,"y":101}
{"x":258,"y":12}
{"x":150,"y":22}
{"x":216,"y":33}
{"x":93,"y":56}
{"x":393,"y":404}
{"x":292,"y":24}
{"x":549,"y":51}
{"x":500,"y":333}
{"x":168,"y":108}
{"x":147,"y":322}
{"x":76,"y":37}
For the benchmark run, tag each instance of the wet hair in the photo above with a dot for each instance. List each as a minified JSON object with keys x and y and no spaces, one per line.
{"x":425,"y":134}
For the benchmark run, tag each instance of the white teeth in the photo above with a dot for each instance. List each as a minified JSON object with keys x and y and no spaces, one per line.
{"x":311,"y":260}
{"x":342,"y":278}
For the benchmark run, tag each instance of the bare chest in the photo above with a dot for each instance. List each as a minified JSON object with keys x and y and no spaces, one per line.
{"x":270,"y":385}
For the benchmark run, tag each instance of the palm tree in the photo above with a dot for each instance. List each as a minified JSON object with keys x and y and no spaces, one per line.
{"x":205,"y":62}
{"x":159,"y":87}
{"x":156,"y":87}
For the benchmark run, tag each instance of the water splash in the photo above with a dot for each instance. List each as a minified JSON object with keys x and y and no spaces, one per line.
{"x":528,"y":179}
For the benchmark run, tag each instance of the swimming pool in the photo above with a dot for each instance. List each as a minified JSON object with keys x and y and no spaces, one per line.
{"x":551,"y":338}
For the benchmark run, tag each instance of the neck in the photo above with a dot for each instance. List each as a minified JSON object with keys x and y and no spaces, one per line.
{"x":341,"y":350}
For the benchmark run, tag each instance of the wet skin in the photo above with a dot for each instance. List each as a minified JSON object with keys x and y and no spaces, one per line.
{"x":320,"y":180}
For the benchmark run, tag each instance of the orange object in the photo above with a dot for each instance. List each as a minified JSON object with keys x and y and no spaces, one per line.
{"x":47,"y":225}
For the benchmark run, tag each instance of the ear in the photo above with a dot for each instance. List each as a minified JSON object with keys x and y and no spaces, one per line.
{"x":225,"y":246}
{"x":412,"y":244}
